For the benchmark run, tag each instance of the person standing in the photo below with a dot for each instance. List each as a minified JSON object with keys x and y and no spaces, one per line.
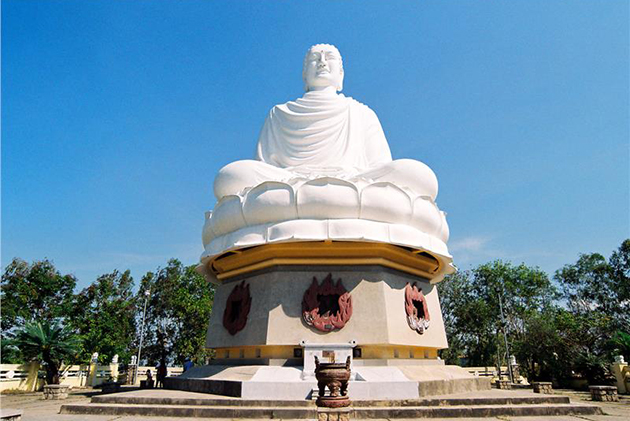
{"x":162,"y":372}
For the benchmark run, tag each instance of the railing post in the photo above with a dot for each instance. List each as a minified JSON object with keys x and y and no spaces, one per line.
{"x":32,"y":377}
{"x":618,"y":368}
{"x":92,"y":376}
{"x":113,"y":367}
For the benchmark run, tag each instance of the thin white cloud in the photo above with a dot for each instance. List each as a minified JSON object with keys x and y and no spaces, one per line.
{"x":478,"y":249}
{"x":470,"y":244}
{"x":473,"y":250}
{"x":95,"y":264}
{"x":186,"y":253}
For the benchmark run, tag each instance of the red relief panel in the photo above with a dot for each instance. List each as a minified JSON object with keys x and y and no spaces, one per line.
{"x":237,"y":308}
{"x":416,"y":308}
{"x":327,"y":306}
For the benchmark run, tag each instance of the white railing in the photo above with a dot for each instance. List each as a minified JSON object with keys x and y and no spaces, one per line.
{"x":30,"y":377}
{"x":486,"y":371}
{"x":21,"y":377}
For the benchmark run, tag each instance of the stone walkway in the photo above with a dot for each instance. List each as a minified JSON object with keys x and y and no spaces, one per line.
{"x":35,"y":408}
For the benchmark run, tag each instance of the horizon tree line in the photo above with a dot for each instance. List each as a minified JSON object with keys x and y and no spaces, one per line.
{"x":106,"y":315}
{"x":571,"y":323}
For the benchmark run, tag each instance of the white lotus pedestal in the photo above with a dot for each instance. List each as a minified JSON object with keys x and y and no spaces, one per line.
{"x":289,"y":302}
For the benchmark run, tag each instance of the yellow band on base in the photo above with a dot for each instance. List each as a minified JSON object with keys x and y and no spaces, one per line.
{"x":404,"y":259}
{"x":381,"y":352}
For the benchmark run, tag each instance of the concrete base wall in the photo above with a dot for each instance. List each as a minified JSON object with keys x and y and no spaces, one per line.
{"x":265,"y":360}
{"x":215,"y":387}
{"x":378,"y":311}
{"x":368,"y":381}
{"x":450,"y":386}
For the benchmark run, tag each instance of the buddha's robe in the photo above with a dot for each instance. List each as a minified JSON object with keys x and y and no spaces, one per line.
{"x":323,"y":131}
{"x":323,"y":134}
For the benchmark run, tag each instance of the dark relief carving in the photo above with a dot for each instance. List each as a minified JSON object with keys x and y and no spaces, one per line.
{"x":327,"y":306}
{"x":237,"y":308}
{"x":416,"y":308}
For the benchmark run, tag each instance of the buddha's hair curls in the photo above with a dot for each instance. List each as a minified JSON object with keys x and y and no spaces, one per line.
{"x":332,"y":47}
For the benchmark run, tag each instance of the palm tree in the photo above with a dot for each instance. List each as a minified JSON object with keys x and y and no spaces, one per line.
{"x":49,"y":343}
{"x":621,"y":342}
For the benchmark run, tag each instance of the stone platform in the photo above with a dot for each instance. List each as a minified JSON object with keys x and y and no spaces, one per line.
{"x":491,"y":403}
{"x":264,"y":345}
{"x":402,"y":379}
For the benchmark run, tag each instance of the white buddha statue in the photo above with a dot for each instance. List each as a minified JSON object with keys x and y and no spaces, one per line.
{"x":324,"y":133}
{"x":323,"y":171}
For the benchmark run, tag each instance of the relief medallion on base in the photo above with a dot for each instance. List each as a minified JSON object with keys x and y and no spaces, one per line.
{"x":327,"y":306}
{"x":416,"y":308}
{"x":237,"y":308}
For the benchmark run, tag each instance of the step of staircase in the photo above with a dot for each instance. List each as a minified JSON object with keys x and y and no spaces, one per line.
{"x":184,"y":404}
{"x":191,"y":411}
{"x":166,"y":400}
{"x":431,"y":402}
{"x":517,"y":400}
{"x":476,"y":411}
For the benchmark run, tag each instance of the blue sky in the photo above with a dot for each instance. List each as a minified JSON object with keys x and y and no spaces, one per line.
{"x":116,"y":115}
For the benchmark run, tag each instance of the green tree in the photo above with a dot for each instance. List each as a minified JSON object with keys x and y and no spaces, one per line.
{"x":10,"y":354}
{"x":538,"y":353}
{"x":594,"y":284}
{"x":178,"y":311}
{"x":468,"y":324}
{"x":552,"y":333}
{"x":586,"y":284}
{"x":48,"y":343}
{"x":34,"y":291}
{"x":104,"y":316}
{"x":558,"y":343}
{"x":620,"y":342}
{"x":620,"y":279}
{"x":472,"y":310}
{"x":596,"y":292}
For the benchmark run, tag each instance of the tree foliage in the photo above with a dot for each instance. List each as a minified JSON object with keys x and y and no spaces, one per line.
{"x":620,"y":275}
{"x":34,"y":291}
{"x":596,"y":293}
{"x":104,"y":316}
{"x":178,"y":310}
{"x":560,"y":343}
{"x":472,"y":301}
{"x":595,"y":285}
{"x":574,"y":326}
{"x":49,"y":343}
{"x":621,"y":343}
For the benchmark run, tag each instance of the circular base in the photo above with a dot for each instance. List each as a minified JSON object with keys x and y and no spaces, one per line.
{"x":333,"y":401}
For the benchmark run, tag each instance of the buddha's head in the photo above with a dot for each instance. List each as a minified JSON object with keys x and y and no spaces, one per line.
{"x":323,"y":68}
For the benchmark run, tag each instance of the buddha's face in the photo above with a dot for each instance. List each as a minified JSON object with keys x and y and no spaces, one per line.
{"x":322,"y":68}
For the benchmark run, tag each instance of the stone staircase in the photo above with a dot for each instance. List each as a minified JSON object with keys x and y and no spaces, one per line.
{"x":168,"y":403}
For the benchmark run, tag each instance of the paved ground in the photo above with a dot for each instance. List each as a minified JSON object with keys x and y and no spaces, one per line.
{"x":36,"y":408}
